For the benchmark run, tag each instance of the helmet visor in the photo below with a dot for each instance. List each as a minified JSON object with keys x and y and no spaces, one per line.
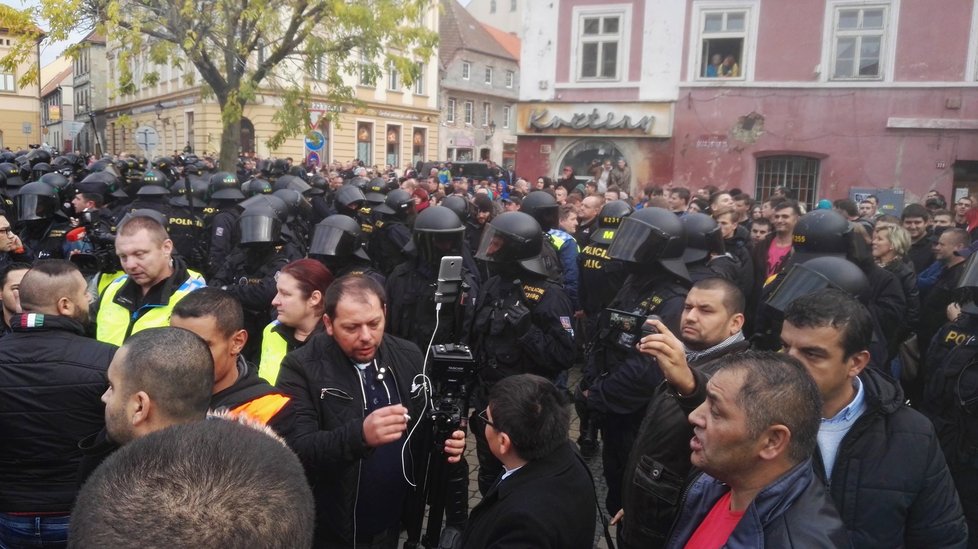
{"x":30,"y":207}
{"x":257,"y":229}
{"x":637,"y":242}
{"x":497,"y":246}
{"x":332,"y":241}
{"x":799,"y":282}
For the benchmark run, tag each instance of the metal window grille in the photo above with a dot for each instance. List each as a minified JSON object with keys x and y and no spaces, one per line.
{"x":797,"y":174}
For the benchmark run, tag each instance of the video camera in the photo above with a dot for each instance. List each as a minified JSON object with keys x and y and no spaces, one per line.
{"x":100,"y":256}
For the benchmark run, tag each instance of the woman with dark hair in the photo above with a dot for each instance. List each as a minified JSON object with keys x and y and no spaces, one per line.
{"x":298,"y":304}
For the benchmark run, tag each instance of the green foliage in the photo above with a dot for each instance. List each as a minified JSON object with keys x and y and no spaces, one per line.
{"x":244,"y":50}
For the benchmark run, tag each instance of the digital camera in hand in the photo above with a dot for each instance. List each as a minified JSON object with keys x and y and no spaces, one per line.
{"x":631,"y":323}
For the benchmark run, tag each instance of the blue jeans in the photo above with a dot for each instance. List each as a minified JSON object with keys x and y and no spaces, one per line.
{"x":17,"y":532}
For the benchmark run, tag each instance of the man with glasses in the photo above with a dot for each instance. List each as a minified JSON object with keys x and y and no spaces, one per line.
{"x":11,"y":248}
{"x":543,"y":497}
{"x":51,"y":378}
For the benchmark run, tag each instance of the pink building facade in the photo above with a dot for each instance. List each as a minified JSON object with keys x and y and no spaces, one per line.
{"x":823,"y":96}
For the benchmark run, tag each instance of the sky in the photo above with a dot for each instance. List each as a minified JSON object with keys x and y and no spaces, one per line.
{"x":49,"y":51}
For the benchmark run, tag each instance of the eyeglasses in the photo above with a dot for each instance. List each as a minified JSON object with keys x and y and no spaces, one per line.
{"x":6,"y":231}
{"x":484,"y":416}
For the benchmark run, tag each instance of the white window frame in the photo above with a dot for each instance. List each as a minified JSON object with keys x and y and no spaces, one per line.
{"x":8,"y":83}
{"x":507,"y":112}
{"x":624,"y":14}
{"x":468,"y":112}
{"x":466,"y":70}
{"x":510,"y":79}
{"x":488,"y":78}
{"x":393,"y":78}
{"x":419,"y":88}
{"x":362,"y":79}
{"x":748,"y":54}
{"x":450,"y":112}
{"x":887,"y":43}
{"x":486,"y":113}
{"x":971,"y":70}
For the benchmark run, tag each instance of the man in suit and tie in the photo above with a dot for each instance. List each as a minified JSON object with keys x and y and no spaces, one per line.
{"x":543,"y":497}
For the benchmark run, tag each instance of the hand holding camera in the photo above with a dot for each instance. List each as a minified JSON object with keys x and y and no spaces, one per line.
{"x":670,"y":354}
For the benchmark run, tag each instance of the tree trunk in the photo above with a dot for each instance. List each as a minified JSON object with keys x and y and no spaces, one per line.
{"x":230,"y":146}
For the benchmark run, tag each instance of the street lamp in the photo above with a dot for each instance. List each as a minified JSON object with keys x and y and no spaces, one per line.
{"x":159,"y":110}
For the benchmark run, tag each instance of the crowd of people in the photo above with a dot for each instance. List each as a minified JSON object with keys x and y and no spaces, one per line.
{"x":207,"y":358}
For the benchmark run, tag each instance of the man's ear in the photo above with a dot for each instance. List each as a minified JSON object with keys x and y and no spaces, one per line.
{"x":505,"y":444}
{"x":329,"y":324}
{"x":141,"y":409}
{"x":65,"y":307}
{"x":774,"y":442}
{"x":857,"y":362}
{"x":238,"y":341}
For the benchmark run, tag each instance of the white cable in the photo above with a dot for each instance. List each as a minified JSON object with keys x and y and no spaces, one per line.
{"x":426,"y":388}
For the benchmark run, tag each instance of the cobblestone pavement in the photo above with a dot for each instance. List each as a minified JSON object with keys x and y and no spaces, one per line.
{"x":594,"y":463}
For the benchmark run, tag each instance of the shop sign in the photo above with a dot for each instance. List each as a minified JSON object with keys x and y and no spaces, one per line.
{"x":596,"y":119}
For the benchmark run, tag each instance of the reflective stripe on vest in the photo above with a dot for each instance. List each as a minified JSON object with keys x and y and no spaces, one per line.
{"x":115,"y":323}
{"x":273,"y":350}
{"x":263,"y":408}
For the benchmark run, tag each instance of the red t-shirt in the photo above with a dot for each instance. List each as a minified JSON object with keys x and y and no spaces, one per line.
{"x":716,"y":528}
{"x":774,"y":256}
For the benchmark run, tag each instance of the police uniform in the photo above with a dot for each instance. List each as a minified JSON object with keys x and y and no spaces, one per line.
{"x":411,"y":306}
{"x":544,"y":348}
{"x":387,"y":244}
{"x":618,"y":379}
{"x":221,"y":236}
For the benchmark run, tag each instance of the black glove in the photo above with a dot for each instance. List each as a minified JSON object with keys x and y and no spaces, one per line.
{"x":518,"y":317}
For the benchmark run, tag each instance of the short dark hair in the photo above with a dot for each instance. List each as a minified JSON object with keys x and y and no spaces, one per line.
{"x":530,"y":410}
{"x":93,"y":197}
{"x":47,"y":281}
{"x":682,"y":192}
{"x":834,"y":308}
{"x":777,"y":390}
{"x":847,"y":206}
{"x":787,"y":203}
{"x":354,"y":285}
{"x":733,"y":298}
{"x":11,"y":267}
{"x":197,"y":485}
{"x":936,"y":213}
{"x":224,"y":307}
{"x":174,"y":367}
{"x":761,"y":221}
{"x":915,"y":211}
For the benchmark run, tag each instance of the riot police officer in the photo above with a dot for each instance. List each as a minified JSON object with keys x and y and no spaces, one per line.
{"x":392,"y":232}
{"x":249,"y":270}
{"x":561,"y":258}
{"x":705,"y":255}
{"x":523,"y":321}
{"x":336,"y":244}
{"x":223,"y":195}
{"x":42,"y":223}
{"x":618,"y":380}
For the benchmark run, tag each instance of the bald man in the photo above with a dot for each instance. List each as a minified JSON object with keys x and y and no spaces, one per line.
{"x":51,"y":378}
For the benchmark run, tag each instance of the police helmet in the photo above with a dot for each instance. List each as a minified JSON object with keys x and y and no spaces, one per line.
{"x":154,"y":183}
{"x":278,"y":168}
{"x":376,"y":191}
{"x":513,"y":237}
{"x":259,"y":224}
{"x":256,"y":187}
{"x":703,"y":237}
{"x":64,"y":187}
{"x":819,"y":233}
{"x":458,"y":205}
{"x":651,"y":236}
{"x":338,"y":237}
{"x":224,"y":186}
{"x":438,"y":232}
{"x":298,"y":205}
{"x":38,"y":156}
{"x":968,"y":285}
{"x":110,"y":181}
{"x":36,"y":200}
{"x":294,"y":183}
{"x":197,"y":195}
{"x":319,"y":182}
{"x":12,"y":174}
{"x":274,"y":202}
{"x":39,"y":170}
{"x":543,"y":207}
{"x":609,"y":219}
{"x":398,"y":203}
{"x":350,"y":197}
{"x":818,"y":273}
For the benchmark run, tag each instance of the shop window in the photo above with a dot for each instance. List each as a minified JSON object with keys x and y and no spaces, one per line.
{"x":365,"y":135}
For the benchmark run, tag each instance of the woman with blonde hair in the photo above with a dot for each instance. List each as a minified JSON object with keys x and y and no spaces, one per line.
{"x":890,"y":246}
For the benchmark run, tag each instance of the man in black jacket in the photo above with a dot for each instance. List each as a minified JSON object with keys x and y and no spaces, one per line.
{"x":51,"y":377}
{"x":880,"y":460}
{"x":659,"y":461}
{"x":543,"y":498}
{"x":356,"y":392}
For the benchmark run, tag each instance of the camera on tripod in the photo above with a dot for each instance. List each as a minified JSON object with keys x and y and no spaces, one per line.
{"x":452,"y":372}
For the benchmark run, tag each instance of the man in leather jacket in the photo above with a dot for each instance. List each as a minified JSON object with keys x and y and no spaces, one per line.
{"x":358,"y":394}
